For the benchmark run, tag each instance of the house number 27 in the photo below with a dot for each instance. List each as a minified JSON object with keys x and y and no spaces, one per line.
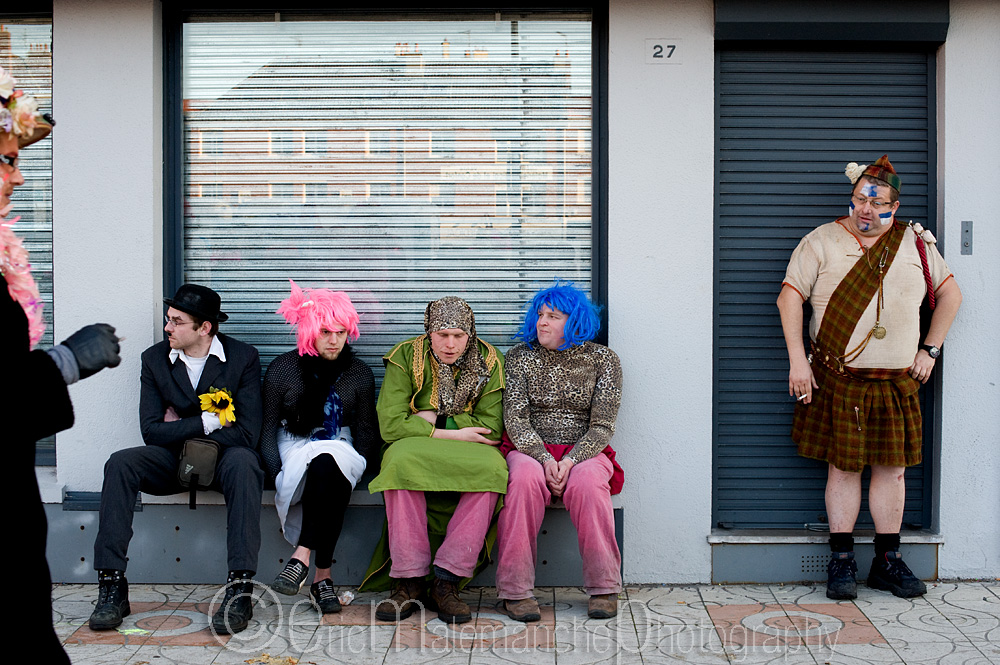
{"x":663,"y":52}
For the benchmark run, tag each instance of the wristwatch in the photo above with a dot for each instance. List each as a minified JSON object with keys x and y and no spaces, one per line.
{"x":933,"y":351}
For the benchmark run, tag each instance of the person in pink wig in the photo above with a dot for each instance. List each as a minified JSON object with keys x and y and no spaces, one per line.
{"x":319,"y":432}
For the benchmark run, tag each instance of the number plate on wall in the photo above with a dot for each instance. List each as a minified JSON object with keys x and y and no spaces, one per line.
{"x":663,"y":51}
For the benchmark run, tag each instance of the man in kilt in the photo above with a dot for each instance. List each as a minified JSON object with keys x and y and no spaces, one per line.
{"x":865,"y":276}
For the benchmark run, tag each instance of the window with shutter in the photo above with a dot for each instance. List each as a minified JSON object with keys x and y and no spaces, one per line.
{"x":399,"y":160}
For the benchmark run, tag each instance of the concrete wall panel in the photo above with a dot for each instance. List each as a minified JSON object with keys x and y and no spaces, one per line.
{"x":969,"y":134}
{"x":107,"y":220}
{"x":661,"y":135}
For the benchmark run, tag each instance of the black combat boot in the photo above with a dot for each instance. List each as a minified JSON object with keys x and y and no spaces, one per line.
{"x":112,"y":600}
{"x":841,"y":583}
{"x":236,"y":609}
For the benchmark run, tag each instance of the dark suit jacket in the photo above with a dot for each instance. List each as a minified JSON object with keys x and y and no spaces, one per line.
{"x":164,"y":385}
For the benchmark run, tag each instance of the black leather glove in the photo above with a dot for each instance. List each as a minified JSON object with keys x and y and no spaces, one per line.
{"x":95,"y":347}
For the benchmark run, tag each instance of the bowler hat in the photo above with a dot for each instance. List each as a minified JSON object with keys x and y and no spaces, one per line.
{"x":199,"y":301}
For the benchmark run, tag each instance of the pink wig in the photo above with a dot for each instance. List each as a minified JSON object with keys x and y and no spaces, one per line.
{"x":313,"y":309}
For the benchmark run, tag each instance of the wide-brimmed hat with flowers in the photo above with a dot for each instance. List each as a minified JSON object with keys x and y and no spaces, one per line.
{"x":19,"y":114}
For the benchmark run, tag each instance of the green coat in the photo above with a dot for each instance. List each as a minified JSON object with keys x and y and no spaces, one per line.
{"x":413,"y":460}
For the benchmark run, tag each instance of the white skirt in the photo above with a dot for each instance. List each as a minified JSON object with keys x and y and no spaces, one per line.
{"x":296,"y":454}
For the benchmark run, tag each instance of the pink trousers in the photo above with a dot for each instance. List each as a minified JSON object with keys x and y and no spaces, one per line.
{"x":409,"y":544}
{"x":588,"y":498}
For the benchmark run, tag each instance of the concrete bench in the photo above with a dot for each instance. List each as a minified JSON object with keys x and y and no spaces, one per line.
{"x":173,"y":544}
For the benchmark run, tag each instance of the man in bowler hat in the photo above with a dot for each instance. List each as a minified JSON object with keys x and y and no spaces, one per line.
{"x":194,"y":359}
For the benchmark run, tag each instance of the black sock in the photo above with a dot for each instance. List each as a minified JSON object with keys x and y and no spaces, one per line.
{"x":445,"y":575}
{"x":842,"y":542}
{"x":886,"y":542}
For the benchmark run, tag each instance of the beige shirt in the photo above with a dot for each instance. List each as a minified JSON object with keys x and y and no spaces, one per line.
{"x":822,"y":260}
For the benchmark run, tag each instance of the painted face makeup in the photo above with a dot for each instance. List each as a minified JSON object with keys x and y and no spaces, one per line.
{"x":869,"y":190}
{"x":885,"y":218}
{"x":862,"y":225}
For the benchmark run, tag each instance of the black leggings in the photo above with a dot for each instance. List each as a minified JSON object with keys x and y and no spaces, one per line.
{"x":324,"y":502}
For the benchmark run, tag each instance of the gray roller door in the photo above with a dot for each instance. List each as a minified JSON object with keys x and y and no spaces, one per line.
{"x":787,"y":123}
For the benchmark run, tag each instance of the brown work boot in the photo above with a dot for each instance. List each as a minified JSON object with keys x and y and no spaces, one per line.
{"x":525,"y":609}
{"x":603,"y":606}
{"x":403,"y":601}
{"x":450,"y":608}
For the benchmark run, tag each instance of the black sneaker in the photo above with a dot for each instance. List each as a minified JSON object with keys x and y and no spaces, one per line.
{"x":236,"y":609}
{"x":841,"y":583}
{"x":325,"y":597}
{"x":290,"y":580}
{"x":891,"y":574}
{"x":112,"y":600}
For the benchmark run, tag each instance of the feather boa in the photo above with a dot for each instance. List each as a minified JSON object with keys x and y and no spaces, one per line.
{"x":17,"y":271}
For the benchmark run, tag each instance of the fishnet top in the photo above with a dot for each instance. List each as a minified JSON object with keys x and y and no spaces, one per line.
{"x":568,"y":397}
{"x":295,"y":389}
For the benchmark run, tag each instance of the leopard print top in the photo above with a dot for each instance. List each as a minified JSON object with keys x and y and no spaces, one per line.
{"x":568,"y":397}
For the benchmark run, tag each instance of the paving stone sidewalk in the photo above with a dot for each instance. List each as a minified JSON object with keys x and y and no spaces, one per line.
{"x":956,"y":623}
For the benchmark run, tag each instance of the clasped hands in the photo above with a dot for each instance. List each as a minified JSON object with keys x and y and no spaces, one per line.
{"x":471,"y":434}
{"x":557,"y":474}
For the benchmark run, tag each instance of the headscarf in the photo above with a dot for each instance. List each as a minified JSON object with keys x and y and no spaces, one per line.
{"x":453,"y":312}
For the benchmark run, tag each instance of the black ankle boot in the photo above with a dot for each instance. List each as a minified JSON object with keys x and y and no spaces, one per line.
{"x":236,"y":609}
{"x":889,"y":573}
{"x":841,"y":581}
{"x":112,"y":600}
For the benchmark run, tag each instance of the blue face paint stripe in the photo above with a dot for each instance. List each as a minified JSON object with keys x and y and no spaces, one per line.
{"x":869,"y":190}
{"x":885,"y":218}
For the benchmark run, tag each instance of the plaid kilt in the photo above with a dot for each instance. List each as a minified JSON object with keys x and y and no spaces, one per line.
{"x":866,"y":417}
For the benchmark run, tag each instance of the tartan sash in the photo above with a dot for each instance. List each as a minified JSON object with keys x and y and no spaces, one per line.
{"x":851,"y":297}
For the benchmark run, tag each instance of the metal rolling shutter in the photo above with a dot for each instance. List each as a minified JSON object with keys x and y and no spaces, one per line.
{"x":26,"y":52}
{"x":787,"y":123}
{"x":397,"y":160}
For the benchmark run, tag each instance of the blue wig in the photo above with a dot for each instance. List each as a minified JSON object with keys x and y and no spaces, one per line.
{"x":582,"y":316}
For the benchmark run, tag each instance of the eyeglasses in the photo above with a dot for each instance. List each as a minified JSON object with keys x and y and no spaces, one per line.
{"x":175,"y":322}
{"x":12,"y":162}
{"x":859,"y":201}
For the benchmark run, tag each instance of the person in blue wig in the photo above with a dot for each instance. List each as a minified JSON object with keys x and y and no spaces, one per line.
{"x":560,"y":405}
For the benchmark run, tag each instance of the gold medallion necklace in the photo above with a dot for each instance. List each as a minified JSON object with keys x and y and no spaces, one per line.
{"x":877,"y":331}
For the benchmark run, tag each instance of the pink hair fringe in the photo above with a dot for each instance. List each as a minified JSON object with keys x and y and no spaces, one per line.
{"x":312,"y":309}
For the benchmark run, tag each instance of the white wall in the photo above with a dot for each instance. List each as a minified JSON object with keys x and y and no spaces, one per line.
{"x":969,"y":134}
{"x":661,"y":162}
{"x":107,"y":218}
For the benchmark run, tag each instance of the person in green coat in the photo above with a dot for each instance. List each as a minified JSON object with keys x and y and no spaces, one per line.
{"x":440,"y":412}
